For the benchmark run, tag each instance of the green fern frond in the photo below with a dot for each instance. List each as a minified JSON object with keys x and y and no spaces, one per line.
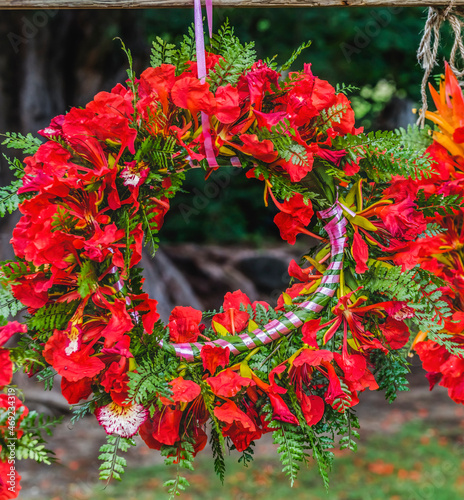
{"x":237,"y":57}
{"x":47,"y":376}
{"x":150,"y":380}
{"x":9,"y":198}
{"x":182,"y":456}
{"x":383,"y":154}
{"x":51,"y":317}
{"x":438,"y":204}
{"x":31,"y":445}
{"x":186,"y":51}
{"x":216,"y":441}
{"x":28,"y":144}
{"x":294,"y":56}
{"x":9,"y":306}
{"x":433,"y":229}
{"x":341,"y":88}
{"x":162,"y":52}
{"x":113,"y":465}
{"x":290,"y":446}
{"x":390,"y":373}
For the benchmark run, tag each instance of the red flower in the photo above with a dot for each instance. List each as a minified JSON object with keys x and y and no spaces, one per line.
{"x":313,"y":408}
{"x":9,"y":481}
{"x":74,"y":392}
{"x":98,"y":247}
{"x":256,"y":83}
{"x":160,"y":81}
{"x":184,"y":324}
{"x":211,"y":61}
{"x":301,"y":374}
{"x":295,"y":214}
{"x":183,"y":391}
{"x":261,"y":150}
{"x":235,"y":300}
{"x":402,"y":219}
{"x":349,"y":314}
{"x":75,"y":366}
{"x":396,"y":333}
{"x":295,"y":168}
{"x":32,"y":289}
{"x":360,"y":252}
{"x":189,"y":93}
{"x":232,"y":319}
{"x":115,"y":381}
{"x":307,"y":96}
{"x":213,"y":357}
{"x":228,"y":383}
{"x":119,"y":322}
{"x":6,"y":368}
{"x":228,"y":107}
{"x":239,"y":426}
{"x":342,"y":120}
{"x":7,"y":331}
{"x":162,"y":428}
{"x":280,"y":410}
{"x":146,"y":306}
{"x":309,"y":332}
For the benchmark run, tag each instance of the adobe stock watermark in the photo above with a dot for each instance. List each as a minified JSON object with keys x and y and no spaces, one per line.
{"x":10,"y":438}
{"x":379,"y":19}
{"x":211,"y":190}
{"x":30,"y":26}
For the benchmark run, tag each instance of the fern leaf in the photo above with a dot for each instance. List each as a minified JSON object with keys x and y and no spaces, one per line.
{"x":162,"y":52}
{"x":28,"y":144}
{"x":113,"y":465}
{"x":294,"y":56}
{"x":9,"y":198}
{"x":237,"y":57}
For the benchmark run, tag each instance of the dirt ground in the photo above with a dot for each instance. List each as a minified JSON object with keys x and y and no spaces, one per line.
{"x":77,"y":446}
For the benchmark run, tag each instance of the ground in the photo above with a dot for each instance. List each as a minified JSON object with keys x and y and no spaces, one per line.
{"x":77,"y":446}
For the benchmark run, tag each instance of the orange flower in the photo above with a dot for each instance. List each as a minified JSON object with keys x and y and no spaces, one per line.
{"x":449,"y":115}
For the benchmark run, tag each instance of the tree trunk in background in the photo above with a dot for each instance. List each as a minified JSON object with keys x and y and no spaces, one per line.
{"x":52,"y":60}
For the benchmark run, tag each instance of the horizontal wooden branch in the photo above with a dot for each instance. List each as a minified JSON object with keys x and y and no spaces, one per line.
{"x":146,"y":4}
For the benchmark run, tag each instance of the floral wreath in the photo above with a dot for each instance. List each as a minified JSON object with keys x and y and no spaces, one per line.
{"x":101,"y":184}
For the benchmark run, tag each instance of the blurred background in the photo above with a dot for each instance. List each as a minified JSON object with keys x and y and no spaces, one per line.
{"x":219,"y":237}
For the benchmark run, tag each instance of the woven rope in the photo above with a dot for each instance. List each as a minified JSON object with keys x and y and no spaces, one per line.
{"x":428,"y":49}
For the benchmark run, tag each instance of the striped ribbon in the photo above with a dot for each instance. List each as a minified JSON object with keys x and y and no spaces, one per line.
{"x":201,"y":68}
{"x":336,"y":230}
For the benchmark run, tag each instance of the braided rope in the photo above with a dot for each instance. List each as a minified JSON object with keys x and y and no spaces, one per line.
{"x":427,"y":52}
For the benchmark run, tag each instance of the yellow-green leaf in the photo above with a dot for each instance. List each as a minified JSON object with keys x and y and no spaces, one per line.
{"x":360,"y":221}
{"x":252,"y":325}
{"x":245,"y":370}
{"x":349,"y":202}
{"x":287,"y":299}
{"x":316,"y":264}
{"x":218,"y":328}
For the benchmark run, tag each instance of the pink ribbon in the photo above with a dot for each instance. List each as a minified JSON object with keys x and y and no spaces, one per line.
{"x":209,"y":16}
{"x":201,"y":66}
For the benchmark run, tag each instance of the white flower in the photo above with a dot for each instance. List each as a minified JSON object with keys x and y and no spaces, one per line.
{"x":122,"y":420}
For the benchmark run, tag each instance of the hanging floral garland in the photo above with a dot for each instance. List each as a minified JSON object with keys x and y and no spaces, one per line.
{"x":101,"y":185}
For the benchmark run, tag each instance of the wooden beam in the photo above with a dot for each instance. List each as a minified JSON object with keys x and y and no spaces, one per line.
{"x":149,"y":4}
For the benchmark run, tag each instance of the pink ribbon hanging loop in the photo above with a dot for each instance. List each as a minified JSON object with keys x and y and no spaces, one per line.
{"x":201,"y":65}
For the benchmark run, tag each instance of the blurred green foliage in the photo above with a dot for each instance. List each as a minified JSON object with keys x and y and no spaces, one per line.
{"x":359,"y":46}
{"x":417,"y":463}
{"x":226,"y":208}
